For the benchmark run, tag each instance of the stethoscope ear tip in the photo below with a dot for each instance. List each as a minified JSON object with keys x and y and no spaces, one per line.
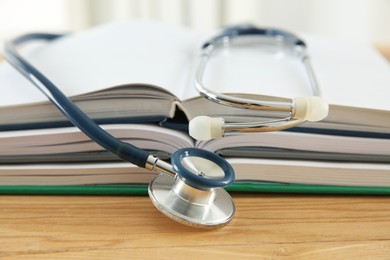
{"x":311,"y":109}
{"x":319,"y":109}
{"x":204,"y":128}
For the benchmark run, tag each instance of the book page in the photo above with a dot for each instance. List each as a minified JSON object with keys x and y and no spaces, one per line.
{"x":311,"y":172}
{"x":112,"y":54}
{"x":350,"y":73}
{"x":74,"y":174}
{"x":72,"y":140}
{"x":301,"y":141}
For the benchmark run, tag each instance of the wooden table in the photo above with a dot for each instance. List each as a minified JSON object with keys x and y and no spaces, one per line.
{"x":265,"y":226}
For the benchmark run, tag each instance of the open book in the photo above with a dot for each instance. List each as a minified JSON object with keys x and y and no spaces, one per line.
{"x":141,"y":72}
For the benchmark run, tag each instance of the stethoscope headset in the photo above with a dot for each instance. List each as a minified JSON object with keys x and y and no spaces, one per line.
{"x":190,"y":189}
{"x":300,"y":109}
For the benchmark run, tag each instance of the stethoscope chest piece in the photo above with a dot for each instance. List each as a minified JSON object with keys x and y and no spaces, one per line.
{"x":195,"y":197}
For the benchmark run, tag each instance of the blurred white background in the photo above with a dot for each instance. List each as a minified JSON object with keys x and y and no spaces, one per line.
{"x":361,"y":19}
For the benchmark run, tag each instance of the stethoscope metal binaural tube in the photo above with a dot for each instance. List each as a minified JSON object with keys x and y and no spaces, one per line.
{"x":182,"y":191}
{"x":223,"y":40}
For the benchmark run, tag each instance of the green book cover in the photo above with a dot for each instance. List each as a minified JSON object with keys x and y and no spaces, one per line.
{"x":237,"y":187}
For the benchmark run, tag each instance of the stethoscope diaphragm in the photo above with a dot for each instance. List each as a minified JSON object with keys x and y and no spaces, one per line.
{"x":195,"y":196}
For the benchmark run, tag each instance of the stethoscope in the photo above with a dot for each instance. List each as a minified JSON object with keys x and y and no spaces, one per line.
{"x":301,"y":109}
{"x":190,"y":189}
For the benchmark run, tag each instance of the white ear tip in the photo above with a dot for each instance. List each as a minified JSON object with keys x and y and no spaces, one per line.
{"x":318,"y":109}
{"x":206,"y":128}
{"x":311,"y":108}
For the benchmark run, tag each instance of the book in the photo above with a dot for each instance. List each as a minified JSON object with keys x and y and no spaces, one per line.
{"x":259,"y":171}
{"x":152,"y":65}
{"x":135,"y":79}
{"x":65,"y":156}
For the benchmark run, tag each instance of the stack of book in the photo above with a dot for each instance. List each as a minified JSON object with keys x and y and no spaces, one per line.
{"x":136,"y":80}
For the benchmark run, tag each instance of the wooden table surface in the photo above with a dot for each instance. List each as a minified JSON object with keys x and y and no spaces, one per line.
{"x":265,"y":226}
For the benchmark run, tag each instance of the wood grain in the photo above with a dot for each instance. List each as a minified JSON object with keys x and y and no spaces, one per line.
{"x":265,"y":226}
